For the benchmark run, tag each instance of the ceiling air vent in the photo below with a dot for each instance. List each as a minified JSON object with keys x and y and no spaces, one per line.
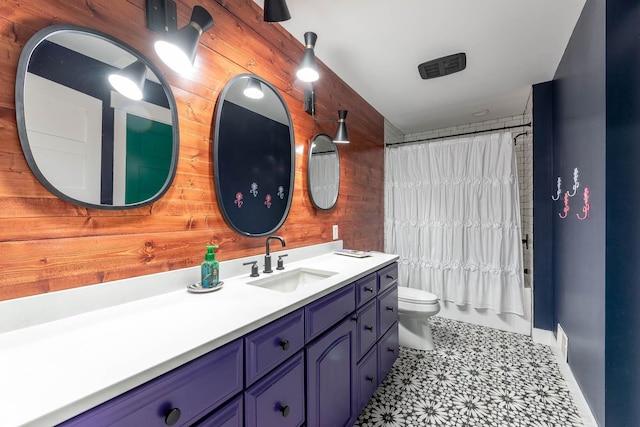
{"x":443,"y":66}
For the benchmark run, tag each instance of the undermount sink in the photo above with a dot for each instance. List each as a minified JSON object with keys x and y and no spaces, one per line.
{"x":292,"y":280}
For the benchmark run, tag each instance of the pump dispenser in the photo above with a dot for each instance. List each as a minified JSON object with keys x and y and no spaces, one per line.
{"x":209,"y":270}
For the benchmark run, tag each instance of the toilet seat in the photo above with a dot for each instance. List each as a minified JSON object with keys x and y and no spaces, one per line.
{"x":416,"y":296}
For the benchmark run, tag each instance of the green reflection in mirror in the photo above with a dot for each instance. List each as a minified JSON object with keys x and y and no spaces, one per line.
{"x":148,"y":157}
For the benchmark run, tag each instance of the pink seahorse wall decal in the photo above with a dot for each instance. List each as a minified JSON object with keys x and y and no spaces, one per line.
{"x":267,"y":201}
{"x":238,"y":201}
{"x":566,"y":209}
{"x":587,"y":206}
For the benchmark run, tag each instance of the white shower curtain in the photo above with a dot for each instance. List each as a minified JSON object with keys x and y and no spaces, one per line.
{"x":452,"y":215}
{"x":324,"y":178}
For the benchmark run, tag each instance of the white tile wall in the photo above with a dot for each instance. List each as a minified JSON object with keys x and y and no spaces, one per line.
{"x":524,"y":158}
{"x":391,"y":133}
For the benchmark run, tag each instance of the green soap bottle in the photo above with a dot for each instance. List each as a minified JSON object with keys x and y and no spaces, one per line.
{"x":209,"y":270}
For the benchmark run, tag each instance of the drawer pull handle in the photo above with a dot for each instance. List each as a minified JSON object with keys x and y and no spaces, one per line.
{"x":355,"y":319}
{"x":368,"y":289}
{"x":285,"y":410}
{"x":390,"y":277}
{"x":392,"y":350}
{"x":369,"y":328}
{"x":389,"y":308}
{"x":285,"y":344}
{"x":172,"y":416}
{"x":370,"y":379}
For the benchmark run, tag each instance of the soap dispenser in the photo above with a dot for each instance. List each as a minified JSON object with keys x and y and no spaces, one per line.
{"x":209,"y":270}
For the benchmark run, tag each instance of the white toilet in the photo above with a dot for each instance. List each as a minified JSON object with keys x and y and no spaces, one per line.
{"x":415,"y":307}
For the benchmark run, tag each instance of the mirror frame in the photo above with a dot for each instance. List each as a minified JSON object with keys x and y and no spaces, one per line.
{"x":23,"y":63}
{"x":216,"y":166}
{"x":313,"y":201}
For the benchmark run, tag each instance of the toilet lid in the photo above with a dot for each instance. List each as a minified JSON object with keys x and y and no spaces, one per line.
{"x":416,"y":296}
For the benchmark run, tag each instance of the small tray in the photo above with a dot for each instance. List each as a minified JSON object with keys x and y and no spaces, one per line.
{"x":196,"y":288}
{"x":353,"y":253}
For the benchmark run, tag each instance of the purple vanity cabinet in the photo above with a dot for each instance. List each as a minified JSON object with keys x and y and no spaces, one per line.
{"x":177,"y":398}
{"x":387,"y":276}
{"x":230,"y":415}
{"x":387,"y":309}
{"x":366,"y":289}
{"x":366,"y":378}
{"x":387,"y":351}
{"x":367,"y":328}
{"x":277,"y":400}
{"x":272,"y":344}
{"x":387,"y":300}
{"x":327,"y":311}
{"x":331,"y":391}
{"x":317,"y":366}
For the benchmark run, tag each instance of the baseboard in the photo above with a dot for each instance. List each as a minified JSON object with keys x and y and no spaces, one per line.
{"x":578,"y":398}
{"x":542,"y":336}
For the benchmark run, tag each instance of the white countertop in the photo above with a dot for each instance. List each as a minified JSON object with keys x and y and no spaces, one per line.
{"x":52,"y":371}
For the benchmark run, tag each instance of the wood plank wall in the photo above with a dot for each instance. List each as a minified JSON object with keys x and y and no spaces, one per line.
{"x":47,"y":244}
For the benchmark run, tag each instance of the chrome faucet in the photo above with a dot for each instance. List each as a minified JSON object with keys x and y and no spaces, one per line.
{"x":267,"y":257}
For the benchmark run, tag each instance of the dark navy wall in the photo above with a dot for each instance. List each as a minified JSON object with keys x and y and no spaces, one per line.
{"x":579,"y":136}
{"x":543,"y":305}
{"x":623,"y":214}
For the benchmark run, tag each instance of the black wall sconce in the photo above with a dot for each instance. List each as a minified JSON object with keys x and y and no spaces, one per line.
{"x":342,"y":136}
{"x":276,"y":11}
{"x":178,"y":49}
{"x":308,"y":69}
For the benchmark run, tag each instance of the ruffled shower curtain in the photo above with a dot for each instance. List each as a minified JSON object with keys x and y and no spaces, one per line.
{"x":452,"y":215}
{"x":324,"y":178}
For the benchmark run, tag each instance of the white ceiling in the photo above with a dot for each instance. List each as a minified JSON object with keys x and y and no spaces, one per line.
{"x":375,"y":46}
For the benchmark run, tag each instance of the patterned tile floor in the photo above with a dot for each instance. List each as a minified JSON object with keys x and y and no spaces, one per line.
{"x":476,"y":376}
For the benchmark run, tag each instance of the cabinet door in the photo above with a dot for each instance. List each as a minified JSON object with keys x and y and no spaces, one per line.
{"x":331,"y":377}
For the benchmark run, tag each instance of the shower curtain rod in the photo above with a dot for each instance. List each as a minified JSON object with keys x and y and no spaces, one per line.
{"x":459,"y":134}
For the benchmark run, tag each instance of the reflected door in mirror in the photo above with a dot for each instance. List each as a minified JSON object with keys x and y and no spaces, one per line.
{"x":84,"y":141}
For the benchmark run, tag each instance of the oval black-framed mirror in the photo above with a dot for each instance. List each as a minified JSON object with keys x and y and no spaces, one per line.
{"x":86,"y":142}
{"x":253,"y":156}
{"x":323,"y":172}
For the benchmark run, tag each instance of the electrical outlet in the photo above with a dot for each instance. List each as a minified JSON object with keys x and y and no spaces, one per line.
{"x":335,"y":232}
{"x":563,"y":343}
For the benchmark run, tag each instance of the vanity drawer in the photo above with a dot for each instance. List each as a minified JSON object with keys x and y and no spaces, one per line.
{"x":230,"y":415}
{"x":367,"y":328}
{"x":278,"y":398}
{"x":388,"y":349}
{"x":366,"y":288}
{"x":321,"y":314}
{"x":387,"y":276}
{"x":367,"y":378}
{"x":272,"y":344}
{"x":387,"y":309}
{"x":181,"y":396}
